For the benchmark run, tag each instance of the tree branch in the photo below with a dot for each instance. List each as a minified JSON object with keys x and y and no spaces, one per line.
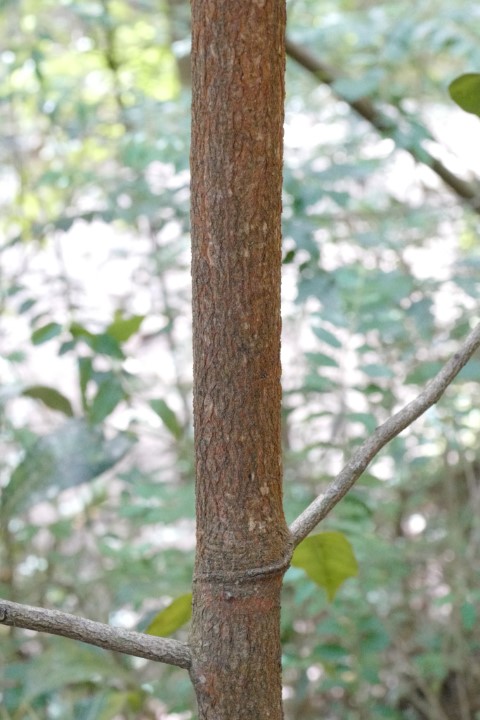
{"x":385,"y":125}
{"x":345,"y":480}
{"x":166,"y":650}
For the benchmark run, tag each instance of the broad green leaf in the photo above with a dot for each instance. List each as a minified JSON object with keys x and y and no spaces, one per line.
{"x":471,"y":371}
{"x":465,"y":91}
{"x":50,"y":397}
{"x":431,"y":665}
{"x":374,"y":637}
{"x":26,"y":305}
{"x":377,"y":370}
{"x":172,"y":617}
{"x":468,"y":613}
{"x":63,"y":665}
{"x":356,"y":88}
{"x":367,"y":419}
{"x":17,"y":356}
{"x":320,"y":359}
{"x":328,"y":560}
{"x":168,"y":417}
{"x":66,"y":347}
{"x":85,"y":371}
{"x":327,"y":337}
{"x":79,"y":331}
{"x":356,"y":508}
{"x":289,"y":257}
{"x":424,"y":372}
{"x":316,"y":383}
{"x":331,"y":652}
{"x":46,"y":332}
{"x":421,"y":312}
{"x":101,"y":343}
{"x":109,"y":394}
{"x":121,"y":329}
{"x":97,"y":706}
{"x":71,"y":455}
{"x":105,"y":344}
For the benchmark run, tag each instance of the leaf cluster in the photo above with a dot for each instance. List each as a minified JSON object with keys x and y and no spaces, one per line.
{"x":380,"y":283}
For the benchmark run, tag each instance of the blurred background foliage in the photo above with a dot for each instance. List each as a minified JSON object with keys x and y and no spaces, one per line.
{"x":381,"y":282}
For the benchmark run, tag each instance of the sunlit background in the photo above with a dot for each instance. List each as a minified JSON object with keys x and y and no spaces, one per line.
{"x":381,"y":283}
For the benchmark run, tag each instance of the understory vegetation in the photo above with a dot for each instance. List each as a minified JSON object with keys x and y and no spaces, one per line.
{"x":380,"y":285}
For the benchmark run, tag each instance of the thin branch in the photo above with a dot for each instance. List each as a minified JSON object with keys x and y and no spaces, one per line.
{"x":166,"y":650}
{"x":345,"y":480}
{"x":385,"y":125}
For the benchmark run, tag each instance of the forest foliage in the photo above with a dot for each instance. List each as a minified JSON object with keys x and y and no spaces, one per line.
{"x":381,"y":283}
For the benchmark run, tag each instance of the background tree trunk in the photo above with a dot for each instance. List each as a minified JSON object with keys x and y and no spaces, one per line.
{"x":243,"y":542}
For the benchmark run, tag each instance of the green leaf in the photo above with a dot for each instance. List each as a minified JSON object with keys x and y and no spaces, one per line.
{"x":122,"y":329}
{"x":172,"y":617}
{"x":424,"y":372}
{"x":102,"y":343}
{"x":103,"y":706}
{"x":374,"y":637}
{"x":367,"y":419}
{"x":465,"y":91}
{"x":328,"y":560}
{"x":46,"y":332}
{"x":66,"y":347}
{"x":79,"y":331}
{"x":109,"y":394}
{"x":59,"y":666}
{"x":26,"y":305}
{"x":105,"y":344}
{"x":468,"y":614}
{"x":17,"y":356}
{"x":320,"y":359}
{"x":331,"y":652}
{"x":327,"y":337}
{"x":85,"y":371}
{"x":471,"y":371}
{"x":71,"y":455}
{"x":431,"y":665}
{"x":377,"y":370}
{"x":315,"y":383}
{"x":356,"y":88}
{"x":50,"y":397}
{"x":168,"y":417}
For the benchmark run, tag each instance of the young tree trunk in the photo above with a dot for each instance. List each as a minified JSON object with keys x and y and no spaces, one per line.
{"x":243,"y":543}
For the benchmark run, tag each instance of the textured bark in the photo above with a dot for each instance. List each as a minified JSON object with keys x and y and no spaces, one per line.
{"x":243,"y":544}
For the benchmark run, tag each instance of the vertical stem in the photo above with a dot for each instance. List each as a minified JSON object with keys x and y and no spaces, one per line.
{"x":238,"y":59}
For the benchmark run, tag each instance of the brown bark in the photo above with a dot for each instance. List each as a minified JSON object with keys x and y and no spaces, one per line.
{"x":243,"y":544}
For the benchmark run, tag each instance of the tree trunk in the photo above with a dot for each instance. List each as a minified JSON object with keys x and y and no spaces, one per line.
{"x":243,"y":543}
